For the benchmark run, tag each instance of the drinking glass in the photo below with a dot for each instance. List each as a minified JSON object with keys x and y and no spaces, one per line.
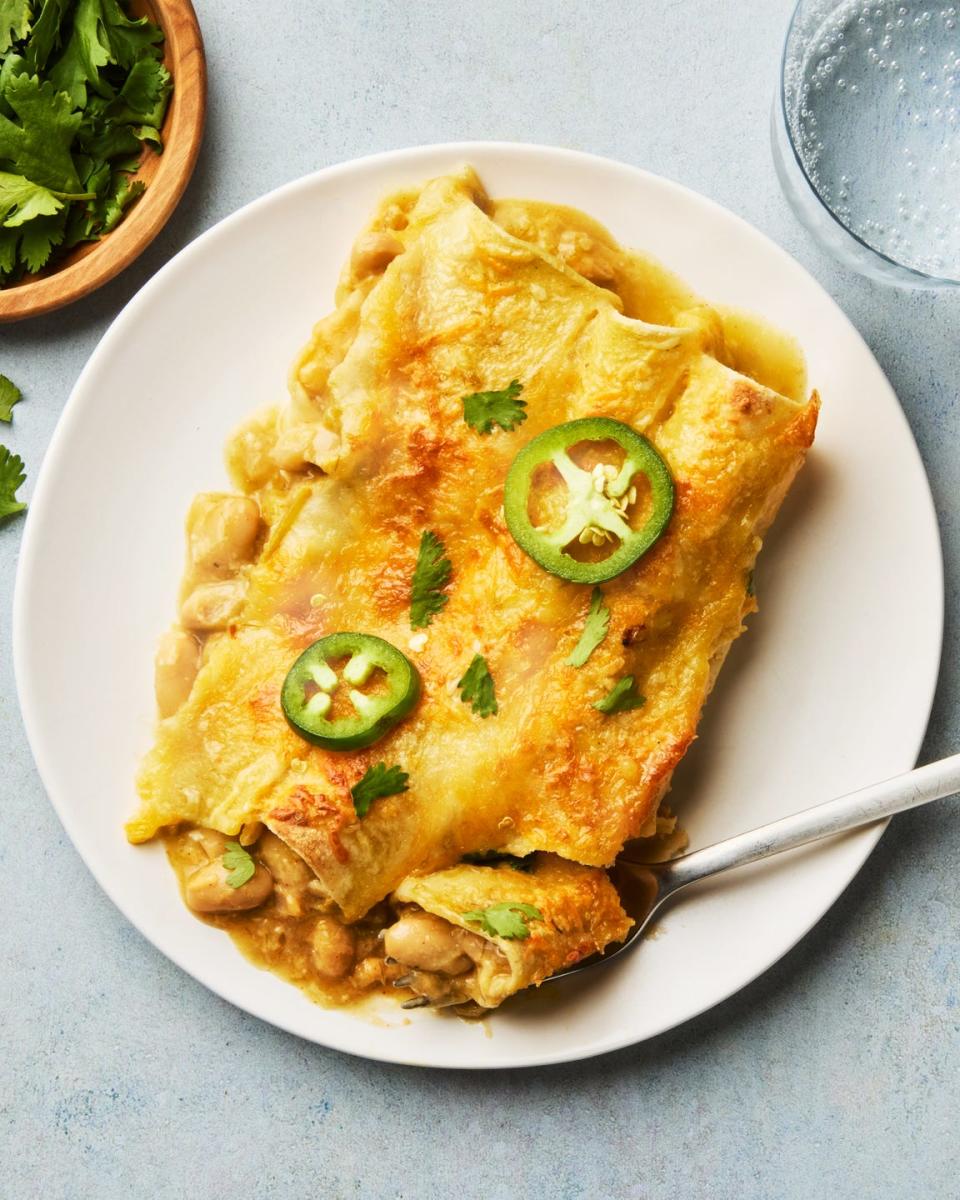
{"x":866,"y":134}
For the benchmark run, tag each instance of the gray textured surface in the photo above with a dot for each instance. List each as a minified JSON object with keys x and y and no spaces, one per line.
{"x":835,"y":1075}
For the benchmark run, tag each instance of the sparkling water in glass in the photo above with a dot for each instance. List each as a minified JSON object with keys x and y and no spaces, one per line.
{"x":871,"y":117}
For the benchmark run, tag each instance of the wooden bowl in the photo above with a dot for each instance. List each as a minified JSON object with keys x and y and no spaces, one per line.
{"x":166,"y":175}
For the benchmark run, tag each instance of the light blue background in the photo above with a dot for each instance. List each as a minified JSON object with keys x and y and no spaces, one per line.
{"x":836,"y":1075}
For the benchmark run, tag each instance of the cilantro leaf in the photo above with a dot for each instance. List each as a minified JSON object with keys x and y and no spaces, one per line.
{"x":39,"y":238}
{"x":149,"y":134}
{"x":11,"y":477}
{"x":122,"y":194}
{"x":622,"y":697}
{"x":431,"y":574}
{"x":21,"y":200}
{"x":82,"y":224}
{"x":483,"y":410}
{"x":143,"y":98}
{"x":237,"y":860}
{"x":377,"y":781}
{"x":594,"y":630}
{"x":85,"y":54}
{"x":102,"y":139}
{"x":14,"y":22}
{"x":506,"y":920}
{"x":9,"y":396}
{"x":10,"y":67}
{"x":101,"y":35}
{"x":39,"y":145}
{"x":9,"y":240}
{"x":476,"y":687}
{"x":45,"y":35}
{"x":129,"y":39}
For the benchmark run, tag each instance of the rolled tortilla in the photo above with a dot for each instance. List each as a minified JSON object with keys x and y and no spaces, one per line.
{"x":580,"y":910}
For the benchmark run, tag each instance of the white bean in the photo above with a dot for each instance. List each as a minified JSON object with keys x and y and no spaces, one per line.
{"x":222,"y":531}
{"x":213,"y":605}
{"x":175,"y":668}
{"x":422,"y":940}
{"x":207,"y":890}
{"x":334,"y":948}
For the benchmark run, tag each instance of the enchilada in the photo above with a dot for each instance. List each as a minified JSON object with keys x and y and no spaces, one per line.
{"x":449,"y":296}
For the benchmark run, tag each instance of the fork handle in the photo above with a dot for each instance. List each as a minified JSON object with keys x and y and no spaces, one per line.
{"x":921,"y":786}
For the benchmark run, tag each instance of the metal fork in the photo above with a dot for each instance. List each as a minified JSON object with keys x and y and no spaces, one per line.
{"x":653,"y":884}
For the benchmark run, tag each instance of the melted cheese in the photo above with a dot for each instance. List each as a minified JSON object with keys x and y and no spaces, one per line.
{"x":373,"y":449}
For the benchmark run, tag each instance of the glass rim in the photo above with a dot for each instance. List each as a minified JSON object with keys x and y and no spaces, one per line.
{"x":926,"y":276}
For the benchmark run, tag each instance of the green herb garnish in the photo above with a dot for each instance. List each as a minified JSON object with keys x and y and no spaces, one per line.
{"x":9,"y":392}
{"x":238,"y":862}
{"x":377,"y":781}
{"x":476,"y":687}
{"x":431,"y":574}
{"x":622,"y":697}
{"x":594,"y":630}
{"x":14,"y":22}
{"x":483,"y":410}
{"x":505,"y":920}
{"x":83,"y":90}
{"x":11,"y":477}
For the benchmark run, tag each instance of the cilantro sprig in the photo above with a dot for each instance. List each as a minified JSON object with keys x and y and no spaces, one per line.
{"x":431,"y":574}
{"x":477,"y":689}
{"x":594,"y":630}
{"x":377,"y":781}
{"x":505,"y":920}
{"x":9,"y":395}
{"x":483,"y":410}
{"x":622,"y":697}
{"x":12,"y":476}
{"x":83,"y":90}
{"x":238,"y":861}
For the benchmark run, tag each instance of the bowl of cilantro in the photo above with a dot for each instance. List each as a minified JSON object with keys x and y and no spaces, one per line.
{"x":102,"y":106}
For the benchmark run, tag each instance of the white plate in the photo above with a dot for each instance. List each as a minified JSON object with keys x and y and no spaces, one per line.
{"x":829,"y":690}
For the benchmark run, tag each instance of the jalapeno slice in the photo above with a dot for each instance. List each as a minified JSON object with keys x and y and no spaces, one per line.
{"x":321,"y":694}
{"x":598,"y":500}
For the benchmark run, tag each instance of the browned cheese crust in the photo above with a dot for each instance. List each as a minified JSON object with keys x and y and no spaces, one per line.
{"x":447,"y":295}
